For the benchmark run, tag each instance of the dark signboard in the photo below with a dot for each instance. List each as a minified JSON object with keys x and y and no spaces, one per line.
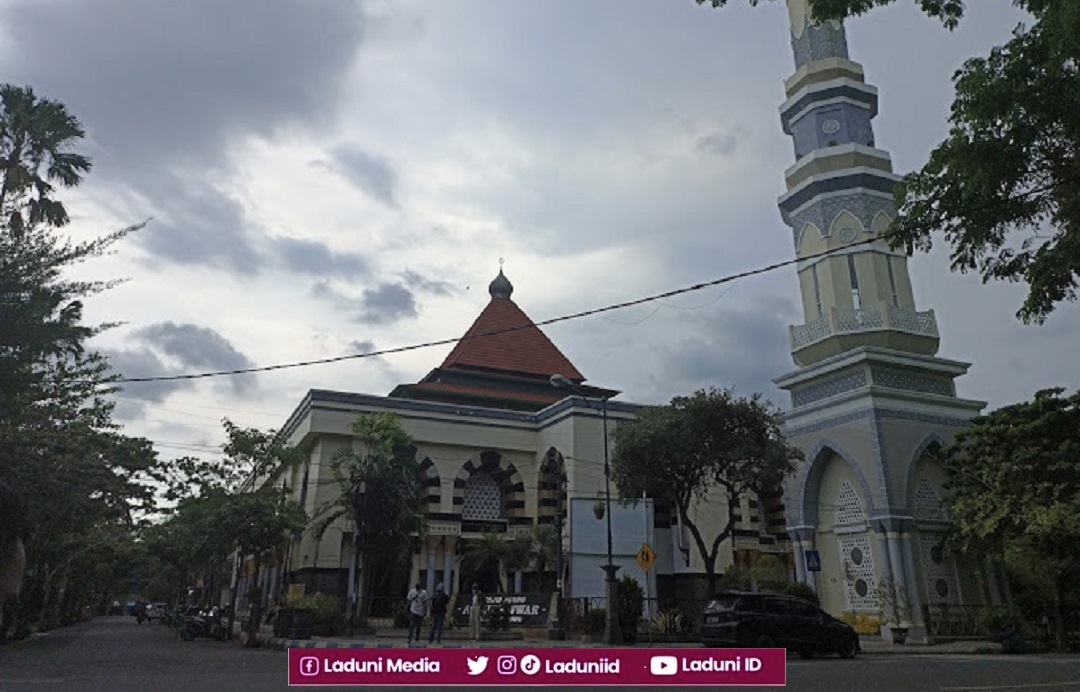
{"x":525,"y":609}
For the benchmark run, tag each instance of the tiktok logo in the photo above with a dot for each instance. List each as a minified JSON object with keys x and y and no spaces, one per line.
{"x":309,"y":666}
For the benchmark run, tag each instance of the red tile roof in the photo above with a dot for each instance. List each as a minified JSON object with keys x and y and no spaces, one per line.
{"x":517,"y":345}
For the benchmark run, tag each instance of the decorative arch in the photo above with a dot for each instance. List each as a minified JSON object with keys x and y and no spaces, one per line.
{"x":503,"y":473}
{"x":551,"y":487}
{"x":880,"y":223}
{"x":928,"y":444}
{"x":430,"y":482}
{"x":845,"y":219}
{"x":809,"y":487}
{"x":804,"y":232}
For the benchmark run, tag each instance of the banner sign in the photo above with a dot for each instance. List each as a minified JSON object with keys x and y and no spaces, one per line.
{"x":548,"y":667}
{"x":525,"y":609}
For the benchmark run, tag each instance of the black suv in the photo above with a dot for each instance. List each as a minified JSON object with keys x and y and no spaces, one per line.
{"x":773,"y":620}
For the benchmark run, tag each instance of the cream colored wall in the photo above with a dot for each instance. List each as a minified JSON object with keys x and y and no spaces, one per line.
{"x":831,"y":586}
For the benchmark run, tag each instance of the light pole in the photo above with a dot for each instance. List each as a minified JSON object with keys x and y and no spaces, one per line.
{"x":557,"y":632}
{"x":612,"y":633}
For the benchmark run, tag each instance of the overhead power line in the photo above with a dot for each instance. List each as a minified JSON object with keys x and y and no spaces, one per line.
{"x":576,"y":315}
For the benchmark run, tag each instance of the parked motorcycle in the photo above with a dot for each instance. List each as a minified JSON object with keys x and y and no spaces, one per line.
{"x":210,"y":624}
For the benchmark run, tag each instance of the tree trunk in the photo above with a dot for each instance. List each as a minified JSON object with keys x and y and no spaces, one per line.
{"x":57,"y":604}
{"x":233,"y":589}
{"x":255,"y":596}
{"x":1060,"y":640}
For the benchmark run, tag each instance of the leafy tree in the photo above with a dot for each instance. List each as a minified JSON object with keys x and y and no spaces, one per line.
{"x":1014,"y":482}
{"x":380,"y":492}
{"x":1004,"y":186}
{"x":82,"y":480}
{"x":236,"y":506}
{"x":707,"y":442}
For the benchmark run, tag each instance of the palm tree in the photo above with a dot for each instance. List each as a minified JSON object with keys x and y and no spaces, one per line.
{"x":381,"y":493}
{"x":487,"y":554}
{"x":34,"y":134}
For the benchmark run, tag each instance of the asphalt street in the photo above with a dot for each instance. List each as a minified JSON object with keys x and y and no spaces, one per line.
{"x":116,"y":654}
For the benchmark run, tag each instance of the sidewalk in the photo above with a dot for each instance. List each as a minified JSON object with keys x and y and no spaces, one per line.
{"x":395,"y":639}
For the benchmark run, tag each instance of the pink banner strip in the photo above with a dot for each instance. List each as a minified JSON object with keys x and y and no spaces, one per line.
{"x":521,"y":666}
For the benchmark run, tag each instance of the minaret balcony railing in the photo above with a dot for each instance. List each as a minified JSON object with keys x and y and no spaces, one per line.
{"x":870,"y":318}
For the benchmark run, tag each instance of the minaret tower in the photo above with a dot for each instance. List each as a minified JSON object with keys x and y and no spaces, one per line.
{"x":870,"y":400}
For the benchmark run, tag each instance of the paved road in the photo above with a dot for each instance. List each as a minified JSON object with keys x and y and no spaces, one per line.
{"x":117,"y":654}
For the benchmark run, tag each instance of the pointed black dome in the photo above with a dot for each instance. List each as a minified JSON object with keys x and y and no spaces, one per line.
{"x":501,"y":287}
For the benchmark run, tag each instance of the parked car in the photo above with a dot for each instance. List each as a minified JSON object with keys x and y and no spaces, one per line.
{"x":157,"y":611}
{"x":773,"y":620}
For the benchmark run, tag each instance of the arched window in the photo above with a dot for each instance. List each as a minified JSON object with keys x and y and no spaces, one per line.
{"x":483,"y":498}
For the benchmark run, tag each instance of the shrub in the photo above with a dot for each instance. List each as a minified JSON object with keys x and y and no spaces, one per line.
{"x":1000,"y":617}
{"x":667,"y":622}
{"x":329,"y":615}
{"x":862,"y":623}
{"x":628,"y":609}
{"x":799,"y":590}
{"x":595,"y":620}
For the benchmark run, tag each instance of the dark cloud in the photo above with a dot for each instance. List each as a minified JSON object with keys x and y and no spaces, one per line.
{"x":362,"y":346}
{"x":196,"y":347}
{"x":436,"y":286}
{"x":165,"y":89}
{"x":387,"y":303}
{"x":743,"y":348}
{"x":371,"y":174}
{"x":312,"y":257}
{"x":142,"y":362}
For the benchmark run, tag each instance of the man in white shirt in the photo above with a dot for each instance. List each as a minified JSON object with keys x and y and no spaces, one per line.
{"x":418,"y":598}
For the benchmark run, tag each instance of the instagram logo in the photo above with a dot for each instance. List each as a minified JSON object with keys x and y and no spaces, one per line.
{"x":506,"y":665}
{"x":309,"y":666}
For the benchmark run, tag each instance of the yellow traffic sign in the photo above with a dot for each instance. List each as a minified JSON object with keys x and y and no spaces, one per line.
{"x":646,"y":557}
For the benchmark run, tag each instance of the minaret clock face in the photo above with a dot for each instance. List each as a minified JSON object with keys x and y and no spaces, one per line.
{"x":830,"y":127}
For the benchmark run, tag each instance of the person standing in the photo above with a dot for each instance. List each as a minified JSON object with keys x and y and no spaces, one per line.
{"x":438,"y":614}
{"x":475,"y":608}
{"x":418,"y":598}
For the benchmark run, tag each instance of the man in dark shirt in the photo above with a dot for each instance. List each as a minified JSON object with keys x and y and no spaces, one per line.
{"x":438,"y":614}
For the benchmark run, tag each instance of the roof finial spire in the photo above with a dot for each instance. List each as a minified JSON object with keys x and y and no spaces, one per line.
{"x":501,"y":286}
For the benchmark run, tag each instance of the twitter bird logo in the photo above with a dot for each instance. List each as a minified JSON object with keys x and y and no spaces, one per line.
{"x":477,"y":665}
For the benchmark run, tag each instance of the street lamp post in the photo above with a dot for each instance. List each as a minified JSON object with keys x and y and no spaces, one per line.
{"x":612,"y":633}
{"x":557,"y":632}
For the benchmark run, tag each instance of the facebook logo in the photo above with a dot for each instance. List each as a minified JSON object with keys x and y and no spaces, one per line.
{"x":309,"y":666}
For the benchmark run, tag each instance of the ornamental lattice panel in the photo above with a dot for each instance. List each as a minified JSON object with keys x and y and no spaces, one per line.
{"x":483,"y":498}
{"x":939,"y":570}
{"x":848,"y":507}
{"x":860,"y":577}
{"x":928,"y":505}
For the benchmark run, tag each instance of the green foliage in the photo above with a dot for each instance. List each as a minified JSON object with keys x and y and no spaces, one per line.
{"x":893,"y":602}
{"x":667,"y":622}
{"x":1014,"y":491}
{"x":1004,"y":186}
{"x":800,"y":590}
{"x":83,"y":482}
{"x":709,"y":441}
{"x":595,"y":621}
{"x":378,"y":477}
{"x":629,"y":607}
{"x":1000,"y":617}
{"x":329,"y":611}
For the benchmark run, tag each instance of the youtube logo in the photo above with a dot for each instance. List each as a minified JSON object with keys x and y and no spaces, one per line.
{"x":664,"y":665}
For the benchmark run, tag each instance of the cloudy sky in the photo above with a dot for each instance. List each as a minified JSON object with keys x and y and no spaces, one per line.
{"x":342,"y":176}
